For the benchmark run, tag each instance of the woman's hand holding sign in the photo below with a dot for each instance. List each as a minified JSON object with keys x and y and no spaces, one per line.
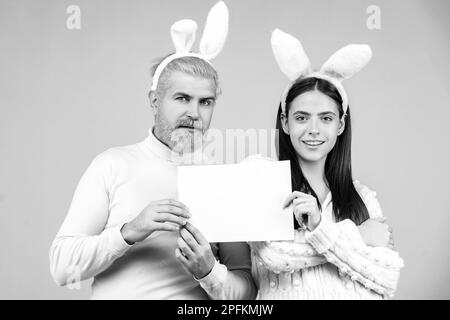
{"x":304,"y":204}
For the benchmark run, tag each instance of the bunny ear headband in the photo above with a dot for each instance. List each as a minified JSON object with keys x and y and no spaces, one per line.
{"x":294,"y":63}
{"x":183,"y":37}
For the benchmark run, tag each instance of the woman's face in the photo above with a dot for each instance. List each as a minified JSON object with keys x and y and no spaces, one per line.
{"x":313,"y":125}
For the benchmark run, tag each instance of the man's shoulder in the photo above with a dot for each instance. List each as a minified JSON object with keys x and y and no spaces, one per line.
{"x":119,"y":154}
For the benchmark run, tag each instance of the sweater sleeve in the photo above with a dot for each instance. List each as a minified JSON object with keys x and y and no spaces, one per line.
{"x":231,"y":278}
{"x":83,"y":247}
{"x":377,"y":268}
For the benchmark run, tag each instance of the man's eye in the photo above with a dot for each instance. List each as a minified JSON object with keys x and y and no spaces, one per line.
{"x":207,"y":102}
{"x":182,"y":99}
{"x":328,"y":119}
{"x":300,"y":118}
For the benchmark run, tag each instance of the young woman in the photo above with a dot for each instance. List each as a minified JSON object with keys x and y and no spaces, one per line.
{"x":328,"y":258}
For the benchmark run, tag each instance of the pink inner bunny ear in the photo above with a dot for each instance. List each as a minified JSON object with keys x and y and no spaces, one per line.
{"x":183,"y":35}
{"x":345,"y":62}
{"x":216,"y":30}
{"x":290,"y":55}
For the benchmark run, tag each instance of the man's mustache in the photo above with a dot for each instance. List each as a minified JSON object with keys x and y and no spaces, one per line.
{"x":189,"y":123}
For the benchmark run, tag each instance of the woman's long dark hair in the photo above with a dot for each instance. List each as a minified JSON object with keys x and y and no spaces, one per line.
{"x":347,"y":204}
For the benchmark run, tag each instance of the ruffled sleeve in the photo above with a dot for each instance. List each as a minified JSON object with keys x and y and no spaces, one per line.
{"x":286,"y":256}
{"x":377,"y":268}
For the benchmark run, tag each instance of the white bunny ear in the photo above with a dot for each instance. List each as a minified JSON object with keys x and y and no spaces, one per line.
{"x":289,"y":54}
{"x":216,"y":30}
{"x":347,"y":61}
{"x":183,"y":35}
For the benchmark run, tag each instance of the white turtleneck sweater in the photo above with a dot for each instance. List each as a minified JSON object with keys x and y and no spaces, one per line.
{"x":115,"y":188}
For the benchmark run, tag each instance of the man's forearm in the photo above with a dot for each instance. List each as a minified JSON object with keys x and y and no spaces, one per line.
{"x":76,"y":258}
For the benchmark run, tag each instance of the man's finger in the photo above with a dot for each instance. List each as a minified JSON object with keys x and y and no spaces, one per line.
{"x":173,"y":209}
{"x":189,"y":239}
{"x":172,"y":202}
{"x":166,"y":227}
{"x":168,"y":217}
{"x":184,"y":247}
{"x":182,"y":259}
{"x":198,"y":236}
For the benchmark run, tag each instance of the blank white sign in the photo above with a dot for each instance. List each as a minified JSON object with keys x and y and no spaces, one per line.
{"x":238,"y":202}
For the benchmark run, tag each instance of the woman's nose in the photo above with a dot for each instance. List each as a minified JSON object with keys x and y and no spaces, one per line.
{"x":313,"y":127}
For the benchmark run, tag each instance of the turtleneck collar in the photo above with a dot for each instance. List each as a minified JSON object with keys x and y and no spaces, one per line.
{"x":164,"y":152}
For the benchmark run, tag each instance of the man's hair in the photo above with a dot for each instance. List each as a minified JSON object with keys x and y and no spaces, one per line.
{"x":190,"y":65}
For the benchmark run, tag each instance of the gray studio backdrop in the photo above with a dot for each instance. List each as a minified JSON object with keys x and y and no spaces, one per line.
{"x":68,"y":94}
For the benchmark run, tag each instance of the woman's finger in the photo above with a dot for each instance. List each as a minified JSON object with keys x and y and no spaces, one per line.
{"x":292,"y":196}
{"x":303,"y":208}
{"x":302,"y":220}
{"x":391,"y":238}
{"x":303,"y":200}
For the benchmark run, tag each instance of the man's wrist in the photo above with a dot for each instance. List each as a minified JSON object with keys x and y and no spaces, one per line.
{"x":204,"y":275}
{"x":127,"y":234}
{"x":215,"y":277}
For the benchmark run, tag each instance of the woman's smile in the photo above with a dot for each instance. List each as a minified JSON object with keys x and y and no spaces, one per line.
{"x":313,"y":143}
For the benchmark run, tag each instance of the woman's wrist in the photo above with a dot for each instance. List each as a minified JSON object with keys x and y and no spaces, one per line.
{"x":315,"y":222}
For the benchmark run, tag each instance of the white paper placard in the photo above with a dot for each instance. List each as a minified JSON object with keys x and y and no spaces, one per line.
{"x":238,"y":202}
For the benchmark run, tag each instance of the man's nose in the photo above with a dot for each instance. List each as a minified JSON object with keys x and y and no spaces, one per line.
{"x":194,"y":109}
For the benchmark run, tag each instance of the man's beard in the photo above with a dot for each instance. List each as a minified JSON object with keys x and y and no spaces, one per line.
{"x":184,"y":140}
{"x":186,"y":136}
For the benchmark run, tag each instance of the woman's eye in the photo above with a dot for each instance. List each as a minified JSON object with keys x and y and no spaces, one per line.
{"x":301,"y":118}
{"x":328,"y":119}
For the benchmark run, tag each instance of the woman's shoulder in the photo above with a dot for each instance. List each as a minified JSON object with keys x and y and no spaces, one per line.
{"x":369,"y":198}
{"x":363,"y":190}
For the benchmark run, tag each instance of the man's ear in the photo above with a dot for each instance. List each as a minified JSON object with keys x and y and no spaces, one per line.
{"x":284,"y":123}
{"x":341,"y":125}
{"x":153,"y":100}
